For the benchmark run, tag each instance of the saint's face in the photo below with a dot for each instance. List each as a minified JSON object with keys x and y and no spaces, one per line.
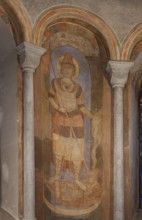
{"x":67,"y":71}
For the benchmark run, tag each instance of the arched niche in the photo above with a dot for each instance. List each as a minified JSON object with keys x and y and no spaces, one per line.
{"x":131,"y":51}
{"x":136,"y":90}
{"x":88,"y":47}
{"x":55,"y":14}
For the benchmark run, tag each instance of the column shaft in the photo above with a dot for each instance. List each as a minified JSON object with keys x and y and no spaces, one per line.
{"x":118,"y":155}
{"x":29,"y":155}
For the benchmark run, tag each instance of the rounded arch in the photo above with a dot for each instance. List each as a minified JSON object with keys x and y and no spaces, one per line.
{"x":54,"y":14}
{"x":19,"y":20}
{"x":130,"y":42}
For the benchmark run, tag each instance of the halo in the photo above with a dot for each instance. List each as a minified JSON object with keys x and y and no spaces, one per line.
{"x":60,"y":59}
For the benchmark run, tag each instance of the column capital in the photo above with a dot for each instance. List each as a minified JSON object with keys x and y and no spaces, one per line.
{"x":119,"y":71}
{"x":29,"y":55}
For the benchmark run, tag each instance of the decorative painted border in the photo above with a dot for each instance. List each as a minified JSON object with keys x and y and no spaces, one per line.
{"x":54,"y":14}
{"x":131,"y":41}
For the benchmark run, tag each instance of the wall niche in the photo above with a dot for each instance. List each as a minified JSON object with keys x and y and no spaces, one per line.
{"x":69,"y":106}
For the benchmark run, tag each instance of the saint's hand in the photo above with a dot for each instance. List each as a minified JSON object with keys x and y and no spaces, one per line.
{"x":88,"y":113}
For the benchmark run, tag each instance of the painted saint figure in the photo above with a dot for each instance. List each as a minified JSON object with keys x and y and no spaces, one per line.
{"x":68,"y":110}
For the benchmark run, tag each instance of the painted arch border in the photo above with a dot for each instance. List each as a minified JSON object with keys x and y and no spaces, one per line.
{"x":49,"y":16}
{"x":20,"y":20}
{"x":131,"y":41}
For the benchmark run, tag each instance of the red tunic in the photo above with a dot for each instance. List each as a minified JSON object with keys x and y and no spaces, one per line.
{"x":67,"y":128}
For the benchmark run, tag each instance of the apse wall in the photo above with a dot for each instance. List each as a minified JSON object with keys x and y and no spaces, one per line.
{"x":9,"y":130}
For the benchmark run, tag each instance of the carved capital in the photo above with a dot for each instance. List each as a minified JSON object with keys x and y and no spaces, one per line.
{"x":118,"y":71}
{"x":29,"y":55}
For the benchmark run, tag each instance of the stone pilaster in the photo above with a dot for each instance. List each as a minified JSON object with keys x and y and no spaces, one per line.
{"x":29,"y":56}
{"x":118,"y":79}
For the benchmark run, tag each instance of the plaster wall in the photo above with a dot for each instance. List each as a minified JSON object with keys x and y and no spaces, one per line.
{"x":121,"y":15}
{"x":8,"y":131}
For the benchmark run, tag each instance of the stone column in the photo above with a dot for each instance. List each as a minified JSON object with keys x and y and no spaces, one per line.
{"x":119,"y":75}
{"x":29,"y":57}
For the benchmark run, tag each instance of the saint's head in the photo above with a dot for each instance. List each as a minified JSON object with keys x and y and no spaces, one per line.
{"x":68,"y":66}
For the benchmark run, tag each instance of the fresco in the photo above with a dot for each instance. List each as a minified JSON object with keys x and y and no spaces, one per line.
{"x":73,"y":182}
{"x":71,"y":123}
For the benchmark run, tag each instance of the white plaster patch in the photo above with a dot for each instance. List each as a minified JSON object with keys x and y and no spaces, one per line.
{"x":5,"y":173}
